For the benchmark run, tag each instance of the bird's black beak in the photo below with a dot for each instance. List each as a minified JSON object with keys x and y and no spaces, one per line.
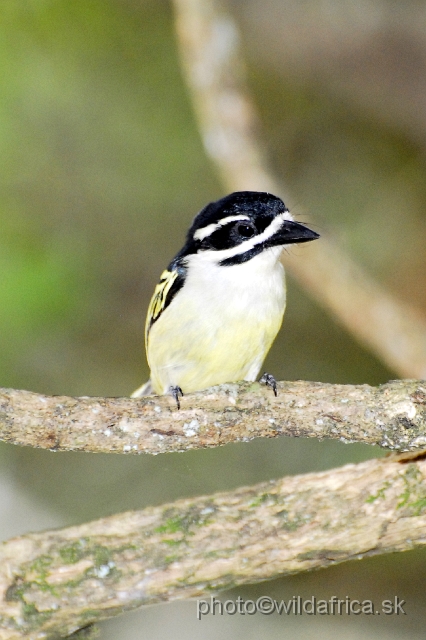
{"x":292,"y":233}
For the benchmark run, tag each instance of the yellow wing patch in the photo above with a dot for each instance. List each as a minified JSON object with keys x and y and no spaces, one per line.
{"x":161,"y":298}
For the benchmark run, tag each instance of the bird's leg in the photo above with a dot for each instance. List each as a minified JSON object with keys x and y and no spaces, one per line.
{"x":270,"y":381}
{"x":176,"y":392}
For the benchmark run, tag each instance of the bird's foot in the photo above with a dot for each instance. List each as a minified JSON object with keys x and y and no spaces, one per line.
{"x":176,"y":392}
{"x":270,"y":381}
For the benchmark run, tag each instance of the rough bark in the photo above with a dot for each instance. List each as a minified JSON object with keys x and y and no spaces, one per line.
{"x":58,"y":581}
{"x":392,"y":416}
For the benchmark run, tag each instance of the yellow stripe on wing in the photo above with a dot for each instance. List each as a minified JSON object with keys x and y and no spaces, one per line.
{"x":159,"y":300}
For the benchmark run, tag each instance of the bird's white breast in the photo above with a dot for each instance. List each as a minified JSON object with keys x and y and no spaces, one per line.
{"x":255,"y":288}
{"x":220,"y":325}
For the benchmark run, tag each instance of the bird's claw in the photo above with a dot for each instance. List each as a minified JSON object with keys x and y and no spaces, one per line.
{"x":270,"y":381}
{"x":176,"y":392}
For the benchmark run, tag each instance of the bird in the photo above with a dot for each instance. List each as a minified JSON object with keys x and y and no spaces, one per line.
{"x":220,"y":303}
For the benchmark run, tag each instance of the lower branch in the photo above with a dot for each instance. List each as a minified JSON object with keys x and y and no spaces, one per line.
{"x":392,"y":416}
{"x":56,"y":582}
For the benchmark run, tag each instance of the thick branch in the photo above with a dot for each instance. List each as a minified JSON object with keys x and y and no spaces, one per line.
{"x":392,"y":416}
{"x":213,"y":64}
{"x":58,"y":581}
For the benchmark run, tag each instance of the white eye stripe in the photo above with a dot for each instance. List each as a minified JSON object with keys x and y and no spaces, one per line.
{"x":200,"y":234}
{"x":223,"y":254}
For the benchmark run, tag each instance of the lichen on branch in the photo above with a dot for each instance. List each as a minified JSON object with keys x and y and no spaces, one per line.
{"x":58,"y":581}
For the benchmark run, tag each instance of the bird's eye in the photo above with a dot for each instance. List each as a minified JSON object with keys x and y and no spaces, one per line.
{"x":245,"y":230}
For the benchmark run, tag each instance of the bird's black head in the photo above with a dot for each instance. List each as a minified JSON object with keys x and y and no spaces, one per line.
{"x":242,"y":225}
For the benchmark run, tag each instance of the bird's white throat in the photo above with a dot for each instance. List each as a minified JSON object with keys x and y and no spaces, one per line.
{"x":256,"y":286}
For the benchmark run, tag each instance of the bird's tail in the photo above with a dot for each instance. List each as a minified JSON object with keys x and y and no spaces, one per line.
{"x":145,"y":390}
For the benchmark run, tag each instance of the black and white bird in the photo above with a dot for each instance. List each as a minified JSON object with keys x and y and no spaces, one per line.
{"x":220,"y":303}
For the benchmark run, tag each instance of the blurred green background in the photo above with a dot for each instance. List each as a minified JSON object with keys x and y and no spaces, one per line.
{"x":102,"y":170}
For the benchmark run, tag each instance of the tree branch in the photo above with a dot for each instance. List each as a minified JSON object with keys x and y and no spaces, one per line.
{"x":392,"y":416}
{"x":214,"y":71}
{"x":58,"y":581}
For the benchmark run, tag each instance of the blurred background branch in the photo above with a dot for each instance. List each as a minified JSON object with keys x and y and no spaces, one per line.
{"x":56,"y":582}
{"x":212,"y":59}
{"x":391,"y":416}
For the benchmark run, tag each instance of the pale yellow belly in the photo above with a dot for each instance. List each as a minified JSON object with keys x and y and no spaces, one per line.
{"x":209,"y":348}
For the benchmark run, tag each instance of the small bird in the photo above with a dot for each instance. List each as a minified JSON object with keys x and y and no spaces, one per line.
{"x":220,"y":303}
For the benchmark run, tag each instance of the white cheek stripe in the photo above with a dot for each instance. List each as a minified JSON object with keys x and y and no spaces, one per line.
{"x":200,"y":234}
{"x":276,"y":224}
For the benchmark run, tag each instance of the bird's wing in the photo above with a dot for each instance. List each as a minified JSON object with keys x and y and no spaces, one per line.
{"x":171,"y":281}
